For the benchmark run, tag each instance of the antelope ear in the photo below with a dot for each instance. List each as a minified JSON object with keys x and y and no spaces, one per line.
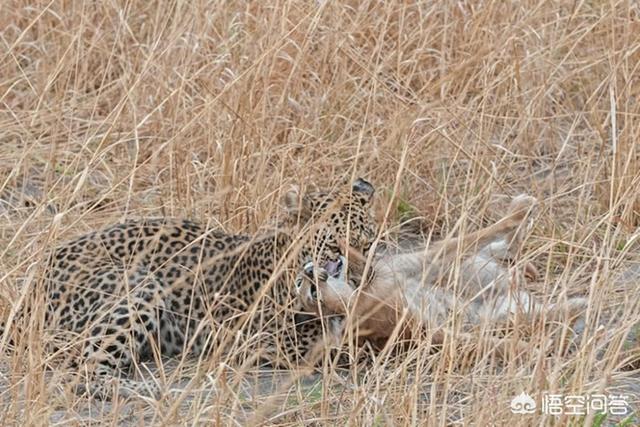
{"x":355,"y":256}
{"x":363,"y":188}
{"x":297,"y":204}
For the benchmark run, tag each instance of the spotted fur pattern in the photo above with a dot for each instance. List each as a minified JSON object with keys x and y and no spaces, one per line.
{"x":166,"y":286}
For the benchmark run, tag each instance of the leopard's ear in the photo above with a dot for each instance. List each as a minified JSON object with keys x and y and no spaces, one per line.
{"x":364,"y":189}
{"x":296,"y":204}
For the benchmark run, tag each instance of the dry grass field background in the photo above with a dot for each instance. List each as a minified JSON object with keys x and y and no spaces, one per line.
{"x":210,"y":110}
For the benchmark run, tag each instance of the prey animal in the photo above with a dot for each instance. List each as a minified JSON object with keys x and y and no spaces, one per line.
{"x":470,"y":280}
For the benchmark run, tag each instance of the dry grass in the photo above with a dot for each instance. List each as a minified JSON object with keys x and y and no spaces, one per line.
{"x":209,"y":109}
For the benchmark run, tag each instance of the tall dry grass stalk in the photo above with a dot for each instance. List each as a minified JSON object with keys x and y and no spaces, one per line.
{"x":210,"y":110}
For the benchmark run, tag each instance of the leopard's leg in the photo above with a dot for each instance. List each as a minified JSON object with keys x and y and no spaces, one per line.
{"x":119,"y":335}
{"x":313,"y":339}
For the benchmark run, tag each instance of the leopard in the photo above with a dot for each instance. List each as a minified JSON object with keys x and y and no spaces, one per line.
{"x":170,"y":286}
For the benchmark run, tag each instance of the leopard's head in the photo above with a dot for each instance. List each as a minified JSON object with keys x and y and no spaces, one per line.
{"x":333,"y":218}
